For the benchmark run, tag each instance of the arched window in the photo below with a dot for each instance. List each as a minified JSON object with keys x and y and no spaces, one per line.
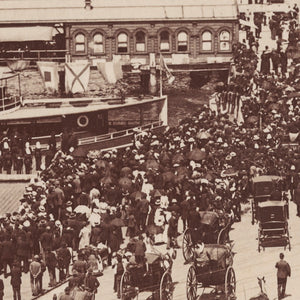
{"x":224,"y":39}
{"x":80,"y":43}
{"x":122,"y":43}
{"x":182,"y":41}
{"x":207,"y":41}
{"x":140,"y":41}
{"x":165,"y":41}
{"x":98,"y":43}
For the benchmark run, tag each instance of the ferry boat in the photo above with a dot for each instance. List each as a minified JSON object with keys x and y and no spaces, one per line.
{"x":98,"y":123}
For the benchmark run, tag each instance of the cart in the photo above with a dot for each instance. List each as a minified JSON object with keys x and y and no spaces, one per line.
{"x":262,"y":188}
{"x":212,"y":230}
{"x":273,"y":225}
{"x":211,"y":268}
{"x":156,"y":280}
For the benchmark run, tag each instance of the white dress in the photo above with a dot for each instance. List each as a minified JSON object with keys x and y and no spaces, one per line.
{"x":84,"y":235}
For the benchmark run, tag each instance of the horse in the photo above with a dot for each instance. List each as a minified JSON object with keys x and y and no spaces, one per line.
{"x":263,"y":295}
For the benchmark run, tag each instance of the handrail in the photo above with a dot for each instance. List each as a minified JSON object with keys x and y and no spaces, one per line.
{"x":5,"y":107}
{"x":108,"y":136}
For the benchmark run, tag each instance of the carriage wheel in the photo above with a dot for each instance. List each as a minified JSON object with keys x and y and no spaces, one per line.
{"x":230,"y":283}
{"x":125,"y":285}
{"x":223,"y":236}
{"x":259,"y":235}
{"x":252,"y":209}
{"x":288,"y":238}
{"x":191,"y":284}
{"x":166,"y":287}
{"x":187,"y":246}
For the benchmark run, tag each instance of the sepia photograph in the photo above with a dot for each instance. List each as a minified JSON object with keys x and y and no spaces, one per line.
{"x":149,"y":149}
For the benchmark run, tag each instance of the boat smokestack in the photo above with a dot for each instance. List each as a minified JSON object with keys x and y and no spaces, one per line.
{"x":88,"y":4}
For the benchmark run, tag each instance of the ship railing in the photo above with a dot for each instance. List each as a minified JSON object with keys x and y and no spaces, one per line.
{"x":117,"y":134}
{"x":34,"y":55}
{"x":8,"y":103}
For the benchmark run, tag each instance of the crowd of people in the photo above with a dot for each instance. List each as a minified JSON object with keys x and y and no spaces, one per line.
{"x":17,"y":156}
{"x":203,"y":164}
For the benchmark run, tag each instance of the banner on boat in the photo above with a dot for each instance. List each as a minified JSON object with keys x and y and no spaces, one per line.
{"x":77,"y":77}
{"x":49,"y":73}
{"x":111,"y":71}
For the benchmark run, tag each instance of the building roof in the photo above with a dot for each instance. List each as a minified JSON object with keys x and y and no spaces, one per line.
{"x":56,"y":11}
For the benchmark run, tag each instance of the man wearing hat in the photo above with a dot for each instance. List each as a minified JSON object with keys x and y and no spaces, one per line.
{"x":173,"y":231}
{"x":63,"y":256}
{"x":16,"y":281}
{"x":91,"y":282}
{"x":7,"y":254}
{"x":143,"y":207}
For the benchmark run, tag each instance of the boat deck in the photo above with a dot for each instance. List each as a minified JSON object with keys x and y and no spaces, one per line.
{"x":58,"y":107}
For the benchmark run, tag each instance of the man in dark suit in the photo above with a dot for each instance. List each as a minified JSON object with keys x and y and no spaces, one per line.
{"x":283,"y":271}
{"x":16,"y":281}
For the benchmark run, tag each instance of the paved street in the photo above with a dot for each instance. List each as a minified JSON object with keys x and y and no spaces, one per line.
{"x":248,"y":264}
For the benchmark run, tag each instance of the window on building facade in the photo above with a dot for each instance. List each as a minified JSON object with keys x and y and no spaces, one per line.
{"x":165,"y":41}
{"x":122,"y":43}
{"x":182,"y":41}
{"x":224,"y":40}
{"x":140,"y":41}
{"x":98,"y":43}
{"x":79,"y":42}
{"x":207,"y":41}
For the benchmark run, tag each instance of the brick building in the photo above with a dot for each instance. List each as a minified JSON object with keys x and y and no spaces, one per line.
{"x":192,"y":35}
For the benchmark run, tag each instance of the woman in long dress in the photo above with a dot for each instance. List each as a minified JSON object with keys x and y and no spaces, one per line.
{"x":84,"y":236}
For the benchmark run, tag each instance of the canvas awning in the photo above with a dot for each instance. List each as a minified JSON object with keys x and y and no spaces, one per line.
{"x":23,"y":34}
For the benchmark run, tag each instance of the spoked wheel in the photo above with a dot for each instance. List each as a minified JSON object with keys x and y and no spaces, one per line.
{"x":223,"y":236}
{"x":191,"y":284}
{"x":252,"y":206}
{"x":125,"y":285}
{"x":259,"y":237}
{"x":230,"y":283}
{"x":188,"y":250}
{"x":288,"y":238}
{"x":166,"y":287}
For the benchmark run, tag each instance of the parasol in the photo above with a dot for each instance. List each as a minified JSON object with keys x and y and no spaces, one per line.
{"x":274,"y":106}
{"x":203,"y":135}
{"x":152,"y":164}
{"x":229,"y":172}
{"x":117,"y":222}
{"x":182,"y":172}
{"x":101,"y":164}
{"x":107,"y":180}
{"x":82,"y":209}
{"x":196,"y":154}
{"x":178,"y":159}
{"x":125,"y":172}
{"x":125,"y":183}
{"x":168,"y":177}
{"x":252,"y":119}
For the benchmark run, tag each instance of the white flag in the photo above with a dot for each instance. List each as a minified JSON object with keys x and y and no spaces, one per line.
{"x":49,"y":73}
{"x":77,"y":77}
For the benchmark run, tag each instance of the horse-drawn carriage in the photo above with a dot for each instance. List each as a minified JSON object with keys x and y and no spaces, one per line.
{"x":211,"y":268}
{"x":157,"y":279}
{"x":263,"y":188}
{"x":273,"y":225}
{"x":213,"y":229}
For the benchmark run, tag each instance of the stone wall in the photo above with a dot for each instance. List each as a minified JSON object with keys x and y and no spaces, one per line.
{"x":32,"y":84}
